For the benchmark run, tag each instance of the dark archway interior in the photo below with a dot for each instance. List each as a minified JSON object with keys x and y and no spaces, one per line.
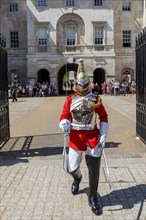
{"x":62,"y":71}
{"x":99,"y":77}
{"x":43,"y":76}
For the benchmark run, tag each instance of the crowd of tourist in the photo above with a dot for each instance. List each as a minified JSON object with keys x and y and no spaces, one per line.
{"x":36,"y":90}
{"x":114,"y":87}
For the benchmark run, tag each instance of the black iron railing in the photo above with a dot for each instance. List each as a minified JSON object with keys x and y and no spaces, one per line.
{"x":4,"y":102}
{"x":141,"y":85}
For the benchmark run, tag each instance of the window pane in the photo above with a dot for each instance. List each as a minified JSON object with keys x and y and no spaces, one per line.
{"x":70,"y":33}
{"x":70,"y":3}
{"x":14,"y":7}
{"x":14,"y":39}
{"x":42,"y":36}
{"x":99,"y":35}
{"x":42,"y":41}
{"x":126,"y":38}
{"x":98,"y":2}
{"x":41,"y":2}
{"x":126,"y":6}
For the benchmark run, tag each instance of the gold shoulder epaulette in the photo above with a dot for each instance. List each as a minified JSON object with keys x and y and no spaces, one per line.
{"x":99,"y":101}
{"x":96,"y":105}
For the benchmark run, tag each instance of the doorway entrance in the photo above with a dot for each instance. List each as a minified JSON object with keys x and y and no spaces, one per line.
{"x":99,"y":77}
{"x":128,"y":75}
{"x":43,"y":76}
{"x":66,"y":78}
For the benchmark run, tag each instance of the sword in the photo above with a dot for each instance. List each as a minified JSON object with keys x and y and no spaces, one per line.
{"x":107,"y":170}
{"x":65,"y":154}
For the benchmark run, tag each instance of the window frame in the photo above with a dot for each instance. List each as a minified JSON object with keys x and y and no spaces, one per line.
{"x":70,"y":24}
{"x":126,"y":40}
{"x":98,"y":3}
{"x":126,"y":6}
{"x":100,"y":24}
{"x":71,"y":39}
{"x":97,"y":37}
{"x":42,"y":39}
{"x":72,"y":3}
{"x":13,"y":7}
{"x":41,"y":3}
{"x":15,"y":43}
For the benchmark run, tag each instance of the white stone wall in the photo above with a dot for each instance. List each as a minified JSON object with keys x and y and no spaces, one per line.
{"x":51,"y":16}
{"x":29,"y":17}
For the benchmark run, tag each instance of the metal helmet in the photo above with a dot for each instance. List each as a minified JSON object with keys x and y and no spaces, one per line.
{"x":82,"y":80}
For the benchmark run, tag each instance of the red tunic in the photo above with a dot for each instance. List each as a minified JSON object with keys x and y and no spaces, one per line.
{"x":79,"y":139}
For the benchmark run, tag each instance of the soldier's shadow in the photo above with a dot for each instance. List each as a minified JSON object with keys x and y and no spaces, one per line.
{"x":125,"y":198}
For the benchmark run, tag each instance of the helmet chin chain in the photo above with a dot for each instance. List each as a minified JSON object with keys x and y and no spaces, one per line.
{"x":82,"y":91}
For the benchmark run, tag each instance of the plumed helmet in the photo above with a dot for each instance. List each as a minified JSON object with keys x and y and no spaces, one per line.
{"x":82,"y":80}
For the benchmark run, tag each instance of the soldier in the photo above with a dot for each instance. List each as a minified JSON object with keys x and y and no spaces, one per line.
{"x":14,"y":94}
{"x":79,"y":118}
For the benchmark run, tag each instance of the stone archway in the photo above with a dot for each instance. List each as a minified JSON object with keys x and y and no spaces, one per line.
{"x":14,"y":76}
{"x":99,"y":77}
{"x":43,"y":76}
{"x":63,"y":76}
{"x":127,"y":75}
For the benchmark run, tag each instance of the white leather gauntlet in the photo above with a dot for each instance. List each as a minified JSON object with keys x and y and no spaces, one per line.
{"x":103,"y":133}
{"x":65,"y":125}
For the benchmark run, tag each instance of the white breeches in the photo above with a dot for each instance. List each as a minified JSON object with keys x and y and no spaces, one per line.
{"x":75,"y":156}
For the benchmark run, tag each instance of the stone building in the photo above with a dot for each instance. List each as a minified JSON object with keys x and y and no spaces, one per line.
{"x":13,"y":26}
{"x":46,"y":38}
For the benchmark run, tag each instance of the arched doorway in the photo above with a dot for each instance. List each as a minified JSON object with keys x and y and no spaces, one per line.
{"x":99,"y":77}
{"x":43,"y":76}
{"x":127,"y":75}
{"x":64,"y":80}
{"x":14,"y":76}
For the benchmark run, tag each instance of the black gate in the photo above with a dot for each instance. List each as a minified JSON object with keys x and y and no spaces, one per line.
{"x":4,"y":102}
{"x":141,"y":85}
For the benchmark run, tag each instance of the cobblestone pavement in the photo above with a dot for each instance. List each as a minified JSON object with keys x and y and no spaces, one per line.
{"x":33,"y":183}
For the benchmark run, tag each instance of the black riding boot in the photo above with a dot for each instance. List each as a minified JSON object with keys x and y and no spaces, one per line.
{"x":77,"y":176}
{"x":93,"y":164}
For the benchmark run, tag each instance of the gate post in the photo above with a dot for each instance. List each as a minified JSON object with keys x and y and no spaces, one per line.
{"x":141,"y":85}
{"x":4,"y":102}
